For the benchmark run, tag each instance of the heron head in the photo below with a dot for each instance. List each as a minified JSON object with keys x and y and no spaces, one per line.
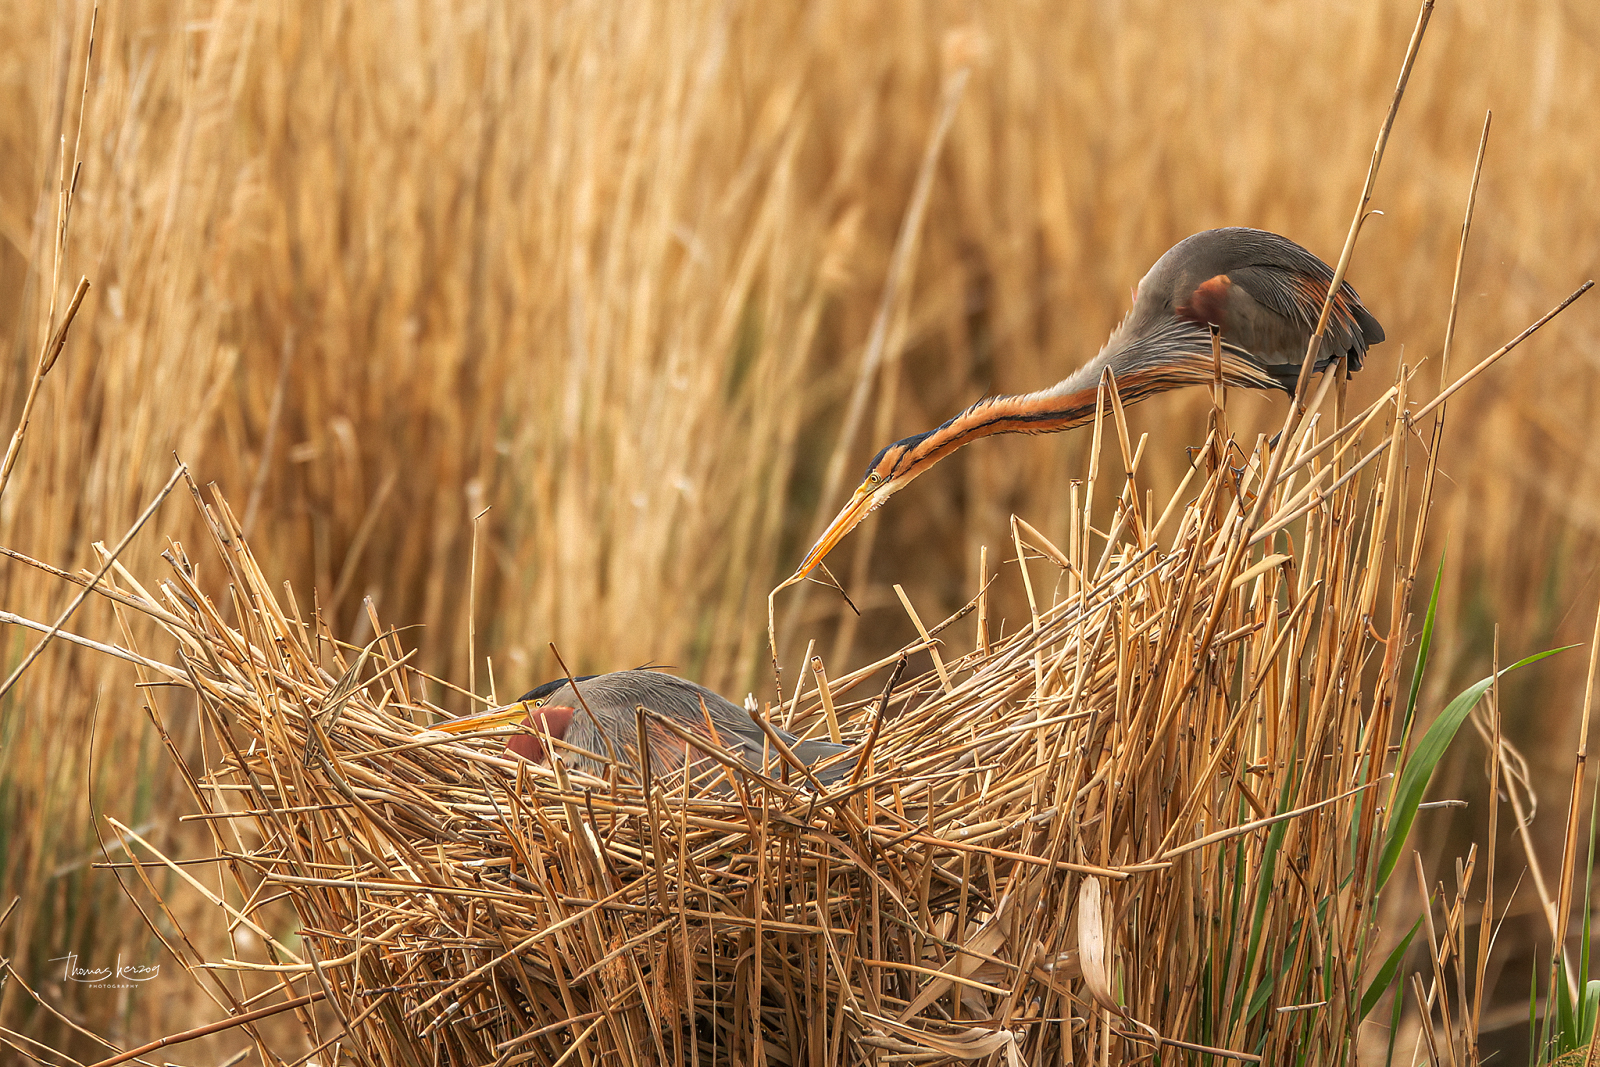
{"x":534,"y":712}
{"x":888,"y":473}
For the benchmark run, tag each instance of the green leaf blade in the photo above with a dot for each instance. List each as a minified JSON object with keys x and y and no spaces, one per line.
{"x":1418,"y":770}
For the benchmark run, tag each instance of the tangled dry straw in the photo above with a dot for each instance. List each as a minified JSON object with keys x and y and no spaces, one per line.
{"x":1147,"y":820}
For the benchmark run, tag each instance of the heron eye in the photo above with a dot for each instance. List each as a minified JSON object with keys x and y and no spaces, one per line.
{"x":874,"y":477}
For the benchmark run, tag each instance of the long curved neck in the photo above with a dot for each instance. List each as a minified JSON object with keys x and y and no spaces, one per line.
{"x":1068,"y":404}
{"x":1145,"y":359}
{"x":1063,"y":407}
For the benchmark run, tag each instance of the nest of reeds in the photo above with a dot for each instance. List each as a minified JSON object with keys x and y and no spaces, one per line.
{"x":1146,"y":821}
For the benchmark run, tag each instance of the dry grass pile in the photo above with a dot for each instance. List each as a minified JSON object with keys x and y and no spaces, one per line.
{"x":1159,"y":814}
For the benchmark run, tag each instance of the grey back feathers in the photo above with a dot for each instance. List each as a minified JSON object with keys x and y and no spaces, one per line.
{"x":612,"y":701}
{"x":1264,"y":290}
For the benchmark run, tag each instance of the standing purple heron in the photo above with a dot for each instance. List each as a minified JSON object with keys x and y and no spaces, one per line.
{"x":597,"y":721}
{"x":1264,"y":293}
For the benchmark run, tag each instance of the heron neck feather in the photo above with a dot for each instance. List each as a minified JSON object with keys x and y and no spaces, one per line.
{"x":1143,"y":361}
{"x":1046,"y":411}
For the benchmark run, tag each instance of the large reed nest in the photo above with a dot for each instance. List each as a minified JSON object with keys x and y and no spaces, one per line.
{"x":1144,"y":823}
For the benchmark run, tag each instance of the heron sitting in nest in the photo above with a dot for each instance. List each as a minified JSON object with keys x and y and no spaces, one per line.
{"x":597,"y":721}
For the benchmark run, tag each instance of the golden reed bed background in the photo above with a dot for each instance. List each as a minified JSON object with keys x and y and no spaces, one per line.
{"x":610,"y":270}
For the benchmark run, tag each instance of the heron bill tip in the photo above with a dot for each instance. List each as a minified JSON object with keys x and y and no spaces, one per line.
{"x":848,"y":519}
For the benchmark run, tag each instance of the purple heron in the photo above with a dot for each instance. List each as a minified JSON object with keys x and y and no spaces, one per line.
{"x":1264,"y":293}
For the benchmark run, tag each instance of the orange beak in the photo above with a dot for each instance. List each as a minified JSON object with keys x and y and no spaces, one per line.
{"x":548,"y":717}
{"x":485,"y":720}
{"x":861,"y":504}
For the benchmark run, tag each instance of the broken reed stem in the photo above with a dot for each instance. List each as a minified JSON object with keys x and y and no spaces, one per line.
{"x":800,"y":684}
{"x":472,"y":608}
{"x":983,"y":601}
{"x":922,"y":631}
{"x":83,"y":593}
{"x":826,"y":695}
{"x":48,"y":354}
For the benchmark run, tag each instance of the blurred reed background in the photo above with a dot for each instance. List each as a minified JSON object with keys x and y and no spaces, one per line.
{"x":609,"y":270}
